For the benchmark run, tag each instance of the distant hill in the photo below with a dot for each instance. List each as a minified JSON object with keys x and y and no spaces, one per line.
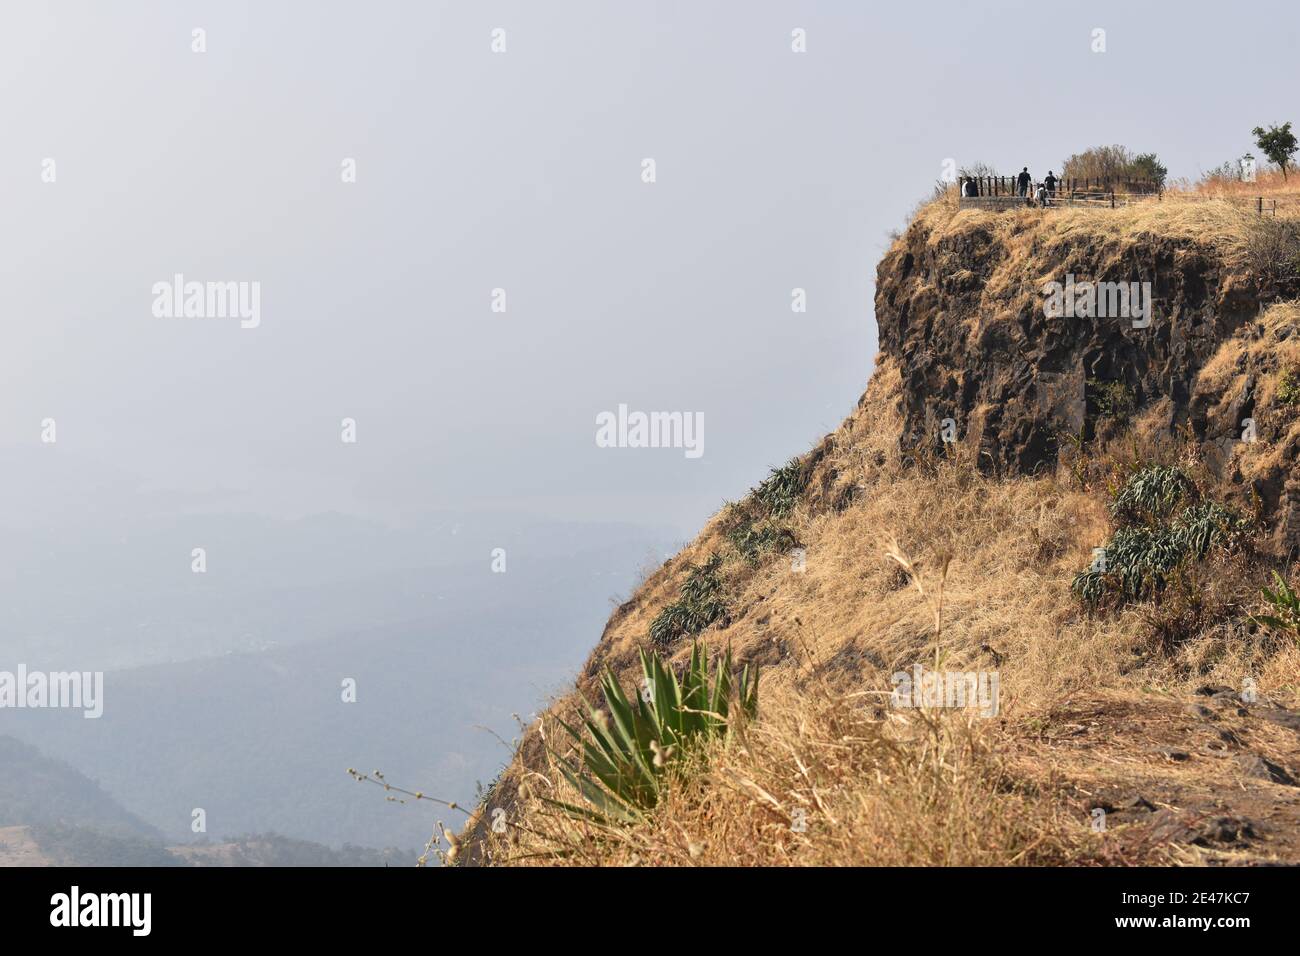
{"x":67,"y":845}
{"x":37,"y":790}
{"x":271,"y":849}
{"x":261,"y":739}
{"x":51,"y":814}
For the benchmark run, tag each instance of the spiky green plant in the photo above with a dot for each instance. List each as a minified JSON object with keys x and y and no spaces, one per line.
{"x":700,"y":604}
{"x":753,"y":540}
{"x":1287,"y":605}
{"x":1199,"y":528}
{"x":627,"y":757}
{"x":780,"y":491}
{"x":1091,"y":587}
{"x":1155,"y":538}
{"x":1152,"y":494}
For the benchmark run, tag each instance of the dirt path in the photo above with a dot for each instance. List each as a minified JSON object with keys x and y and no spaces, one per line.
{"x":1202,"y":780}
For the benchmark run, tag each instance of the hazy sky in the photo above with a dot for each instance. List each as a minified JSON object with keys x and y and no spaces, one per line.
{"x":518,"y":170}
{"x":475,"y":170}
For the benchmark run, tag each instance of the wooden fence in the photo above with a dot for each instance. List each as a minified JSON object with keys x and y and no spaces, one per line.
{"x":1110,"y":200}
{"x":1101,"y":200}
{"x":994,"y":186}
{"x":1001,"y":192}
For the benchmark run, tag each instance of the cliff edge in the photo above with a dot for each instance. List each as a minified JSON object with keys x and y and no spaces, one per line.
{"x":1076,"y":502}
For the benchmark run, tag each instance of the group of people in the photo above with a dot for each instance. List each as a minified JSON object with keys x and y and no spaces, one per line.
{"x":1042,"y":194}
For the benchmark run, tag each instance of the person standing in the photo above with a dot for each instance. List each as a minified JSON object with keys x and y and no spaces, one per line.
{"x":1023,"y":181}
{"x":1050,"y":183}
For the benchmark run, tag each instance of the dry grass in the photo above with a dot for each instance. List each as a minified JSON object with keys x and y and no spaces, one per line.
{"x":1220,"y":224}
{"x":877,"y":785}
{"x":1011,"y":548}
{"x":1268,"y":183}
{"x":933,"y":562}
{"x":823,"y":779}
{"x":1218,"y":215}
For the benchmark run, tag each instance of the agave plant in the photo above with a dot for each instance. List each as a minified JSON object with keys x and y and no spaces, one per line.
{"x":627,"y":757}
{"x":1287,"y":605}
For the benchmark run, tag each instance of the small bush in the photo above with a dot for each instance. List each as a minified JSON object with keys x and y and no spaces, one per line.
{"x":1273,"y":253}
{"x":1114,"y":401}
{"x":1288,"y":386}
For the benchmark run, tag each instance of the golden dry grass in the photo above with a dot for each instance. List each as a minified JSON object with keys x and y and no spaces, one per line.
{"x":822,"y":779}
{"x":1268,"y":183}
{"x":1083,"y":697}
{"x":878,"y":786}
{"x":1219,"y":223}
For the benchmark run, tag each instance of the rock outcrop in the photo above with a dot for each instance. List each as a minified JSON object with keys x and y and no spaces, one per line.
{"x":963,"y":309}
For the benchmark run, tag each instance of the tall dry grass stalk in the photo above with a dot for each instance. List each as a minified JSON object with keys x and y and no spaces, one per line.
{"x":822,"y":779}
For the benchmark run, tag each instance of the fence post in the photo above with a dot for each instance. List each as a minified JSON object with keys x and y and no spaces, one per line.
{"x":1260,"y":203}
{"x":1112,"y":199}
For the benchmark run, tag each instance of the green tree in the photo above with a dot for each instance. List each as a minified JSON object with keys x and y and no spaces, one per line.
{"x":1147,"y":166}
{"x":1115,"y":164}
{"x":1278,"y":144}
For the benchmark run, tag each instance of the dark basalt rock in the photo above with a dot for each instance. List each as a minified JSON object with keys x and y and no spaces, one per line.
{"x":1019,"y":386}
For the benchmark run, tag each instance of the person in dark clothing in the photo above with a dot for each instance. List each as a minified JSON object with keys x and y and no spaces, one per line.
{"x":1023,"y":180}
{"x":1050,"y":183}
{"x":969,"y":188}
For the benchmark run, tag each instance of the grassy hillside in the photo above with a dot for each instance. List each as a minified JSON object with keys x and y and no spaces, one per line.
{"x":1154,"y":699}
{"x":38,"y":790}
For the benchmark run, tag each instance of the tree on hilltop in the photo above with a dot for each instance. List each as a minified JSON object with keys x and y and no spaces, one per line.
{"x":1278,"y":144}
{"x":1115,"y":164}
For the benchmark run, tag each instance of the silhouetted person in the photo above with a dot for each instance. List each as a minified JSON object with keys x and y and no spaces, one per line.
{"x":1050,"y":183}
{"x":1023,"y":180}
{"x":969,"y":188}
{"x":1041,"y":195}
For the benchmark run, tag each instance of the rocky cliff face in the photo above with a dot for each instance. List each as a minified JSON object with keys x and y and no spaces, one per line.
{"x":808,"y":565}
{"x":967,"y":309}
